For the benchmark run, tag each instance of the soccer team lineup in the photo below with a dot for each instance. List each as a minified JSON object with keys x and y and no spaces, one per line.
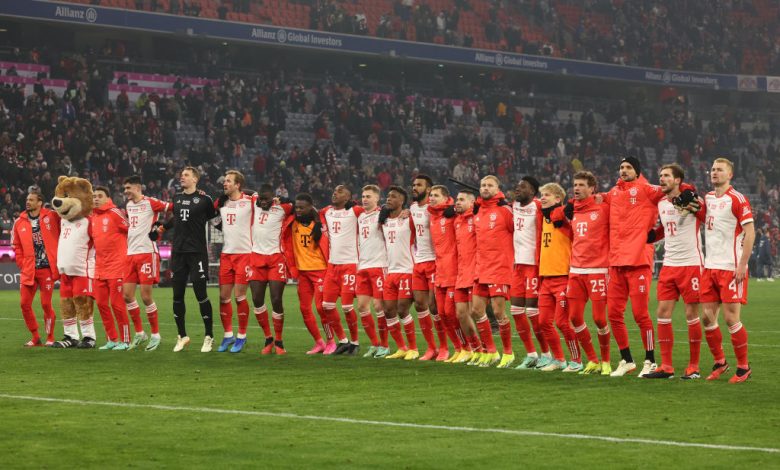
{"x":446,"y":263}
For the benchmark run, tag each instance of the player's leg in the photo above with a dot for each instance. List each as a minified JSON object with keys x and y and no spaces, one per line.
{"x":463,"y":313}
{"x":257,"y":287}
{"x":639,"y":293}
{"x":422,"y":300}
{"x":330,"y":293}
{"x":131,"y":279}
{"x":181,"y":273}
{"x":436,"y":306}
{"x":547,"y":306}
{"x":226,"y":311}
{"x":577,"y":293}
{"x":665,"y":336}
{"x":517,"y":309}
{"x":564,"y":325}
{"x":407,"y":322}
{"x":439,"y":299}
{"x":242,"y":311}
{"x":151,"y":315}
{"x":617,"y":299}
{"x":348,"y":275}
{"x":367,"y":320}
{"x":739,"y":340}
{"x":133,"y":310}
{"x":305,"y":298}
{"x":46,"y":289}
{"x":711,"y":300}
{"x":199,"y":278}
{"x":498,"y":303}
{"x":479,"y":300}
{"x":102,"y":295}
{"x":27,"y":294}
{"x":119,"y":308}
{"x":381,"y":322}
{"x":277,"y":295}
{"x":694,"y":340}
{"x":394,"y":326}
{"x":454,"y":333}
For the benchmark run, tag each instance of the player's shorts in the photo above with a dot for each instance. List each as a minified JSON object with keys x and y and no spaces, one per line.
{"x":587,"y":286}
{"x":75,"y":286}
{"x":265,"y":268}
{"x":370,"y":281}
{"x":718,"y":285}
{"x":143,"y":268}
{"x":462,"y":295}
{"x":676,"y":281}
{"x":491,"y":290}
{"x":233,"y":268}
{"x":397,"y":286}
{"x":190,"y":266}
{"x":552,"y":290}
{"x":525,"y":281}
{"x":340,"y":281}
{"x":424,"y":275}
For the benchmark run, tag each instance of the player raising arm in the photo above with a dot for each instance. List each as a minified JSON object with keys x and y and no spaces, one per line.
{"x":143,"y":260}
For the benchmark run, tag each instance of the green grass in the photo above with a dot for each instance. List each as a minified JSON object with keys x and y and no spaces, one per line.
{"x":55,"y":434}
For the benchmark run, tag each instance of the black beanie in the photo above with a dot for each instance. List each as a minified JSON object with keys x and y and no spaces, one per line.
{"x":633,"y":161}
{"x":532,"y":181}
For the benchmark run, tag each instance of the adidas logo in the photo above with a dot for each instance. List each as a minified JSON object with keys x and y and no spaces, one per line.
{"x":642,"y":277}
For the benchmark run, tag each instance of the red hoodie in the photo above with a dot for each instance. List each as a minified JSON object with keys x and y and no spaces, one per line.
{"x":444,"y":244}
{"x":466,"y":237}
{"x":24,"y":248}
{"x":633,"y":210}
{"x":109,"y":235}
{"x":494,"y":225}
{"x":590,"y":242}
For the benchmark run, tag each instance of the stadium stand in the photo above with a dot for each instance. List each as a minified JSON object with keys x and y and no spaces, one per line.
{"x":728,"y":37}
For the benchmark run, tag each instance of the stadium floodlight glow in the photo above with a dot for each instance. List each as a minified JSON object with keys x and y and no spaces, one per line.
{"x":362,"y":65}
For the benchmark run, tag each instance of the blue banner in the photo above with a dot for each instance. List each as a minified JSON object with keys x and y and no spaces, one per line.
{"x":282,"y":36}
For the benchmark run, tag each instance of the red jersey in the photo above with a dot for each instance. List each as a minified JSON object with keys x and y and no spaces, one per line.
{"x":590,"y":245}
{"x":494,"y":225}
{"x":24,"y":245}
{"x":442,"y":231}
{"x":109,"y":234}
{"x":633,"y":210}
{"x":466,"y":238}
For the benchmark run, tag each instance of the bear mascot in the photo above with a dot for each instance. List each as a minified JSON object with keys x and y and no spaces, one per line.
{"x":73,"y":202}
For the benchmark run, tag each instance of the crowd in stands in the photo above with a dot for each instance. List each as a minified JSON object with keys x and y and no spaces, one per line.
{"x":244,"y":122}
{"x":728,"y":36}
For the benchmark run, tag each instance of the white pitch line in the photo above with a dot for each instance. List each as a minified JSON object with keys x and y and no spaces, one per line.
{"x":438,"y":427}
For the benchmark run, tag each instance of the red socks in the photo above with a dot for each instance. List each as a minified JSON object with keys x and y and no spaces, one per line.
{"x":426,"y":326}
{"x":523,"y":328}
{"x":369,"y":326}
{"x":411,"y":336}
{"x":134,"y":311}
{"x":505,"y":331}
{"x":486,"y":334}
{"x":226,"y":316}
{"x":242,"y":309}
{"x":715,"y":342}
{"x":278,"y":319}
{"x":666,"y":342}
{"x":739,"y":339}
{"x":394,"y":327}
{"x":583,"y":336}
{"x":261,"y":313}
{"x":382,"y":325}
{"x":694,"y":342}
{"x":352,"y":323}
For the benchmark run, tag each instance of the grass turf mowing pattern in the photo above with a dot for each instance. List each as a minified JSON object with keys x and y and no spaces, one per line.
{"x":46,"y":434}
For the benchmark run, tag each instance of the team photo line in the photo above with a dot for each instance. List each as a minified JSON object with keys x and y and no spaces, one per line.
{"x":455,"y":259}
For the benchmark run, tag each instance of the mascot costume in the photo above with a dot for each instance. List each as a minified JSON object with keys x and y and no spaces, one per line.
{"x":73,"y":202}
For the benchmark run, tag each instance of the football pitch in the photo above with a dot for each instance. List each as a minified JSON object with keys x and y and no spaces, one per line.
{"x":163,"y":409}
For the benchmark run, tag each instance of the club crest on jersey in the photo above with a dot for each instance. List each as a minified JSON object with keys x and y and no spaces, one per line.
{"x":594,"y":215}
{"x":105,"y":220}
{"x":493,"y":217}
{"x":632,"y":191}
{"x":442,"y":222}
{"x":196,"y":200}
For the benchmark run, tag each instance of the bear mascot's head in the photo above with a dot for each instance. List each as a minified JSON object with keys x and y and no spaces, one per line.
{"x":72,"y":198}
